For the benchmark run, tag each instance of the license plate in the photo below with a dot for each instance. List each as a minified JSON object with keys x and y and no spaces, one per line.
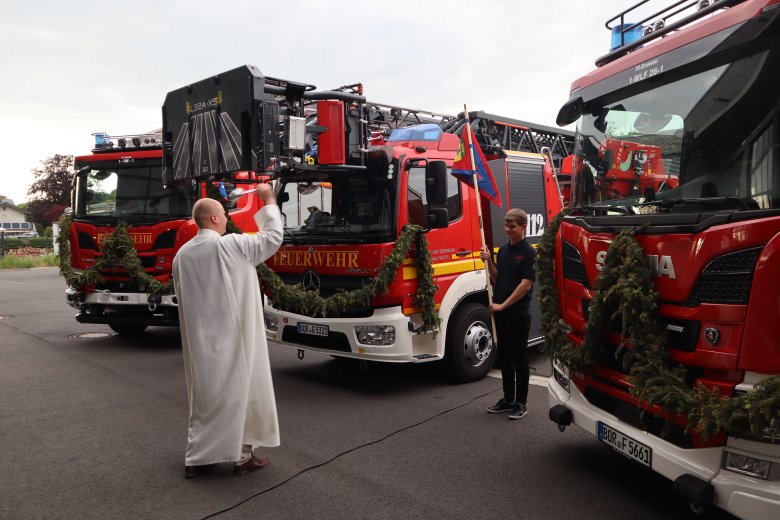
{"x":312,"y":329}
{"x":625,"y":445}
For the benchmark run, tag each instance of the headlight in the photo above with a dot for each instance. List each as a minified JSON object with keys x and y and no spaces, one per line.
{"x":271,"y":323}
{"x":375,"y":334}
{"x":746,"y":465}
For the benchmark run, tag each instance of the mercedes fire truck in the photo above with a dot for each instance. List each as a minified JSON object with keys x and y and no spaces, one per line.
{"x":347,"y":190}
{"x":678,"y":137}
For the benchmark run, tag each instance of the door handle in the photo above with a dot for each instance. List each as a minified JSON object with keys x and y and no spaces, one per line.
{"x":462,"y":253}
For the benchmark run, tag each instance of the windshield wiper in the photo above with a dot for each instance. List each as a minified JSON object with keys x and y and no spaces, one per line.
{"x":707,"y":201}
{"x":295,"y":240}
{"x":611,"y":207}
{"x":97,"y":218}
{"x":346,"y":231}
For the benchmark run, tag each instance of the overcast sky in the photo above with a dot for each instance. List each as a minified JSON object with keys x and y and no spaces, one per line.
{"x":73,"y":68}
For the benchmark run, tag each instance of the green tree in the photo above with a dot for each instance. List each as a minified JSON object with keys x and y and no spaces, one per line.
{"x":50,"y":192}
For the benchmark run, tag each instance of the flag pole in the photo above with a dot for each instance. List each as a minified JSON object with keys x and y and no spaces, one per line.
{"x":481,"y":225}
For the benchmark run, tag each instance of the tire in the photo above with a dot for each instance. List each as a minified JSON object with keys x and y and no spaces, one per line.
{"x":128,"y":330}
{"x":469,"y":351}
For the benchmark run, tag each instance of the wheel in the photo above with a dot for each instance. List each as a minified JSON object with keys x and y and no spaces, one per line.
{"x":127,"y":329}
{"x":469,"y":350}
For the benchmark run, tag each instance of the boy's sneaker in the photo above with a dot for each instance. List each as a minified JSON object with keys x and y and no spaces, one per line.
{"x":518,"y":412}
{"x":501,"y":406}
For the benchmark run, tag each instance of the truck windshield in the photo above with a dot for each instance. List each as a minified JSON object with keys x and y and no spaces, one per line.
{"x":352,"y":207}
{"x":130,"y":193}
{"x":706,"y":140}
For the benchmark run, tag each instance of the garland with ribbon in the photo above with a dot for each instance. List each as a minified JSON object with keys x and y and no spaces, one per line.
{"x":118,"y":253}
{"x":293,"y":298}
{"x":626,"y":300}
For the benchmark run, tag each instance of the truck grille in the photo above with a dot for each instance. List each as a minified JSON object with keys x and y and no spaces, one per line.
{"x":680,"y":334}
{"x":334,"y":341}
{"x":166,"y":240}
{"x":726,"y":279}
{"x":632,"y":415}
{"x":330,"y":285}
{"x":573,"y":267}
{"x":147,"y":262}
{"x":86,"y":241}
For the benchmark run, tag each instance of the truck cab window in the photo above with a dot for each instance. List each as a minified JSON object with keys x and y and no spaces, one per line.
{"x":354,"y":207}
{"x":100,"y":193}
{"x":130,"y":193}
{"x":417,"y":205}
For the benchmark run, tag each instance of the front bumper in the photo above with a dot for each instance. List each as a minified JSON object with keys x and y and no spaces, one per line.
{"x":106,"y":307}
{"x":740,"y":495}
{"x":409,"y":347}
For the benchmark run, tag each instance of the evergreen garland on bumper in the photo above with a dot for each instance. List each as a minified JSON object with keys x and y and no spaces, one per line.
{"x":293,"y":298}
{"x":625,"y":300}
{"x":118,"y":253}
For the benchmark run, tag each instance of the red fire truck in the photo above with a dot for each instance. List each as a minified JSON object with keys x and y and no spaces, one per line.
{"x":340,"y":226}
{"x":122,"y":181}
{"x":698,"y":95}
{"x":347,"y":191}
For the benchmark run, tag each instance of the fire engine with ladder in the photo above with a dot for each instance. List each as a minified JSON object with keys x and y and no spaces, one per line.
{"x":347,"y":190}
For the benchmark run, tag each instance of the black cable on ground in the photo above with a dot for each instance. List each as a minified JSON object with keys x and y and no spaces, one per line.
{"x":370,"y":443}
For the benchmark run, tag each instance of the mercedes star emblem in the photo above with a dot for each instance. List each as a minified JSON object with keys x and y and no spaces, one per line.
{"x":310,"y":281}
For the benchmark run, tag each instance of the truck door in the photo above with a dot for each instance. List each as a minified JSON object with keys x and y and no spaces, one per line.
{"x":452,"y":248}
{"x":520,"y":180}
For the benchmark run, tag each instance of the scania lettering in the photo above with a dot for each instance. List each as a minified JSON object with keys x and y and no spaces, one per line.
{"x":660,"y":265}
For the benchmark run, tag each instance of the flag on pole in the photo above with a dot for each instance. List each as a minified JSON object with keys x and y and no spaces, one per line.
{"x":470,"y":154}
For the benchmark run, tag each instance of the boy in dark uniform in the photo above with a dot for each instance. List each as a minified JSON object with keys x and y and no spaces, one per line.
{"x":512,"y":276}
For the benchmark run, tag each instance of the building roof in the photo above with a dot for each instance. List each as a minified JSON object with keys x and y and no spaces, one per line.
{"x":8,"y":203}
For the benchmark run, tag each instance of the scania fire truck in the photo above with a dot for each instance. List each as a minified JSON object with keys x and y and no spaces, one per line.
{"x":347,"y":191}
{"x":122,"y":181}
{"x":678,"y":137}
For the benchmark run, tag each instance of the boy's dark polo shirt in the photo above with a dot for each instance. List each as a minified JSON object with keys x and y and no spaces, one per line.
{"x":514,"y":263}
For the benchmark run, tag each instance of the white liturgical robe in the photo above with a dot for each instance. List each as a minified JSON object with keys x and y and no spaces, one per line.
{"x":231,"y":395}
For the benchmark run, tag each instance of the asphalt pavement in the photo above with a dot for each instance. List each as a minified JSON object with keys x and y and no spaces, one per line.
{"x":93,"y":425}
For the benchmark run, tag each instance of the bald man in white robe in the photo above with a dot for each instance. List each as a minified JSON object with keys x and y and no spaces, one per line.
{"x":231,"y":395}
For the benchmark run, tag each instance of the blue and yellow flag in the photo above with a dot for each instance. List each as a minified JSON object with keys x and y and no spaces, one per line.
{"x":462,"y":167}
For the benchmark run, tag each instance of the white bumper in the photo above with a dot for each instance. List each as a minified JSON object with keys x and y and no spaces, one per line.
{"x":409,"y":347}
{"x":741,"y":495}
{"x":115,"y":299}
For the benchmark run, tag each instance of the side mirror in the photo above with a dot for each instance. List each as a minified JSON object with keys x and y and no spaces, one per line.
{"x":436,"y":182}
{"x":438,"y":218}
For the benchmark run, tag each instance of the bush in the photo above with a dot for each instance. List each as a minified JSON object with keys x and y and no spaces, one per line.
{"x":40,"y":242}
{"x":13,"y":243}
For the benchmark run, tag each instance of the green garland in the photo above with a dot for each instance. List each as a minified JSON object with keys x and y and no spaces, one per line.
{"x":293,"y":298}
{"x":625,"y":295}
{"x":118,"y":252}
